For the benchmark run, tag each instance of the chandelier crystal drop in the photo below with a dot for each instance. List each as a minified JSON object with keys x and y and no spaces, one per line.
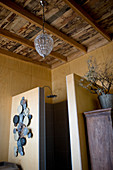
{"x":43,"y":42}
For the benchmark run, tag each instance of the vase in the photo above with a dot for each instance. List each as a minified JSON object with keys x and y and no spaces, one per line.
{"x":106,"y":101}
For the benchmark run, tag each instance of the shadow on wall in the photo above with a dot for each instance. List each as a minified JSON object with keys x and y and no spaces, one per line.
{"x":57,"y":137}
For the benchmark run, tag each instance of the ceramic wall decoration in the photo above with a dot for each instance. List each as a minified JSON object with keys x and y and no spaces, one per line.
{"x":21,"y":130}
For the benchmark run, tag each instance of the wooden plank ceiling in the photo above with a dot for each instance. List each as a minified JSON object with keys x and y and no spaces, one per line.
{"x":76,"y":26}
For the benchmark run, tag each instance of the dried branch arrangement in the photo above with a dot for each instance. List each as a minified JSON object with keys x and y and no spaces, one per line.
{"x":99,"y":78}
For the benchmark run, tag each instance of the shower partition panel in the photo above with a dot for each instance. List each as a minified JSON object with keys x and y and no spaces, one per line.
{"x":79,"y":101}
{"x":35,"y":148}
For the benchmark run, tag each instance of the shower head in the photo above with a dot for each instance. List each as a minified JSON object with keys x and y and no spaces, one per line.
{"x":51,"y":96}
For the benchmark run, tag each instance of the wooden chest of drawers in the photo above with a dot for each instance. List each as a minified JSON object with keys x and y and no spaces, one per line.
{"x":100,"y":138}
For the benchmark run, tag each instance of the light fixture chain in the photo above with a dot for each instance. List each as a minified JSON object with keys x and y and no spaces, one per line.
{"x":43,"y":18}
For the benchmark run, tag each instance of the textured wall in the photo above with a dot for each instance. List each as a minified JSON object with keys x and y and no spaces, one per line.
{"x":16,"y":77}
{"x":79,"y":67}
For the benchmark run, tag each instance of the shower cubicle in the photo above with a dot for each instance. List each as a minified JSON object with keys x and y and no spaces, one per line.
{"x":58,"y":140}
{"x":49,"y":147}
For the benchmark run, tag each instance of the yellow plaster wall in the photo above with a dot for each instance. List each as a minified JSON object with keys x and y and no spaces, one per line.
{"x":77,"y":66}
{"x":16,"y":77}
{"x":85,"y":101}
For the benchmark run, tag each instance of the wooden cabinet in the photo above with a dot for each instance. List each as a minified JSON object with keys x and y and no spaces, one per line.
{"x":100,"y":138}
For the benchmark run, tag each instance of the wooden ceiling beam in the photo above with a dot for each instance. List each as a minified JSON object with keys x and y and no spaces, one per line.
{"x":58,"y":56}
{"x":38,"y":22}
{"x":28,"y":43}
{"x":20,"y":57}
{"x":80,"y":11}
{"x":14,"y":37}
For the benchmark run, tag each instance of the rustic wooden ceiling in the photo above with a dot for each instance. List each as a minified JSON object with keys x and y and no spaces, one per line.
{"x":77,"y":27}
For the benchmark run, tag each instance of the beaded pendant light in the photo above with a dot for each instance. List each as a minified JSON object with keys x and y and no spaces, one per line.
{"x":43,"y":42}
